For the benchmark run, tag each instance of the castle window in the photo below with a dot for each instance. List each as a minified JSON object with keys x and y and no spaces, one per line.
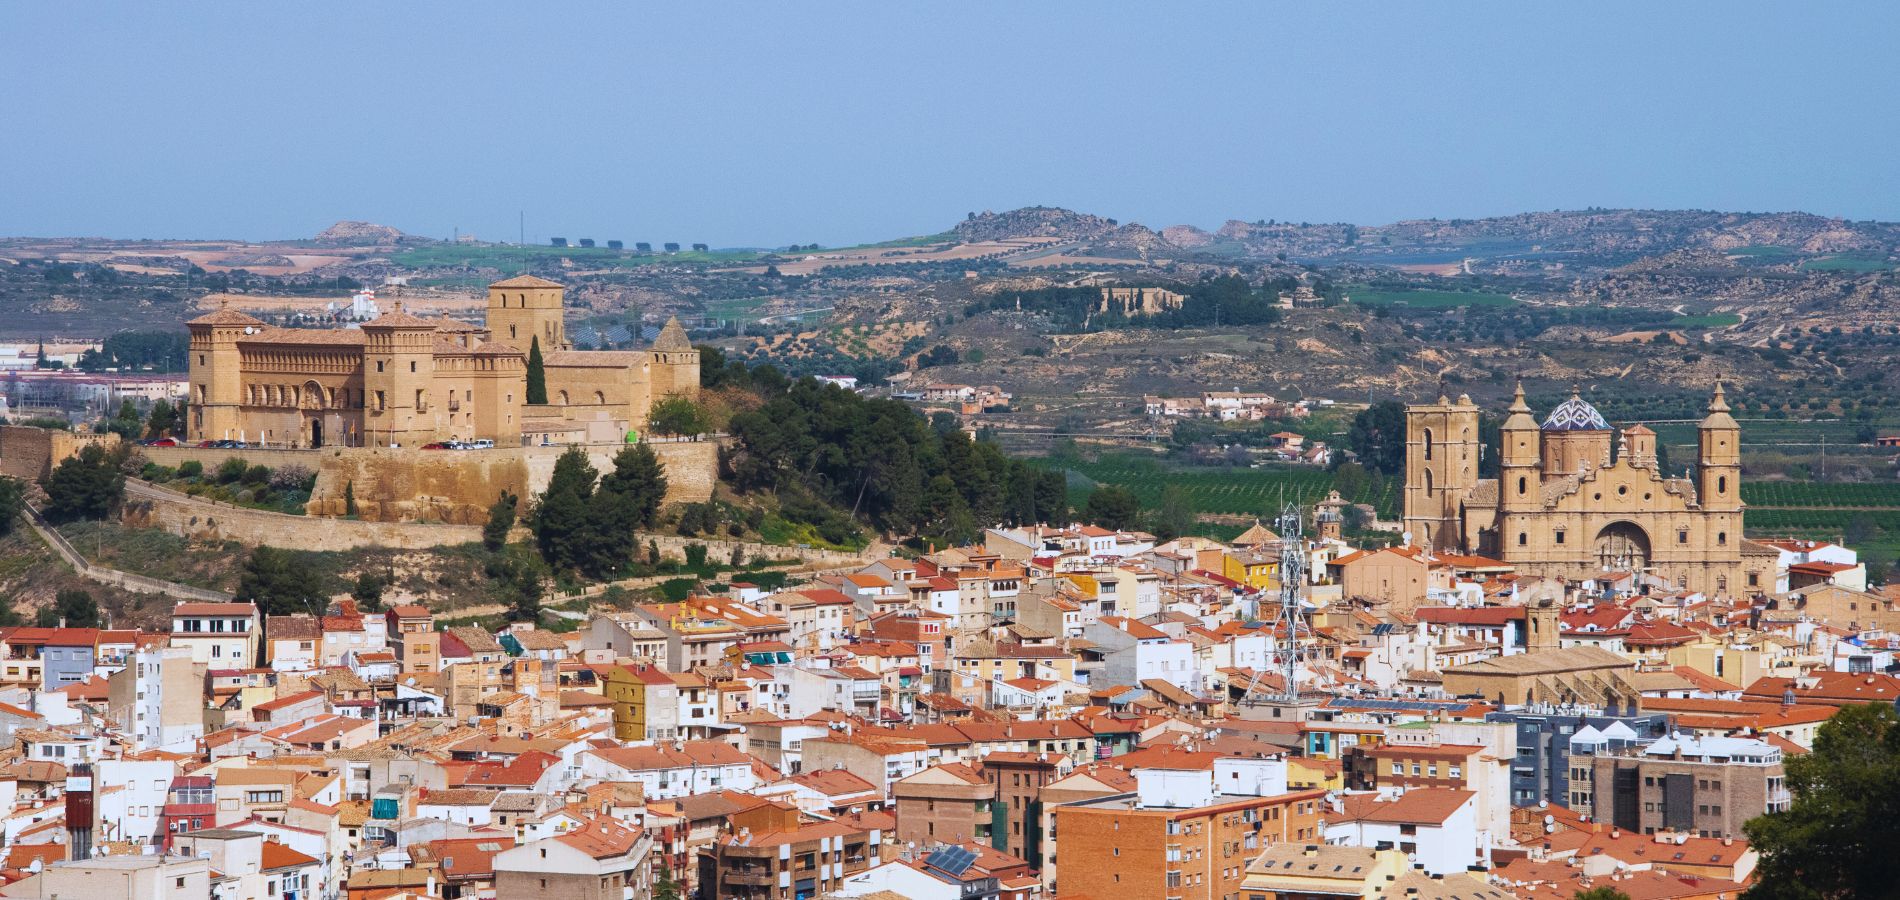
{"x":412,"y":365}
{"x":1560,"y":535}
{"x":600,"y":398}
{"x":563,"y":398}
{"x":1428,"y":443}
{"x":511,"y":331}
{"x":379,"y":365}
{"x":201,"y":359}
{"x":1523,"y":485}
{"x":1721,"y":484}
{"x":1754,"y":579}
{"x":1721,"y":538}
{"x":1721,"y":583}
{"x":1622,"y":489}
{"x":382,"y":402}
{"x":1523,"y":539}
{"x":1682,"y":536}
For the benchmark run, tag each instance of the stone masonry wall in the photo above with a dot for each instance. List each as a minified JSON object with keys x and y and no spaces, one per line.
{"x":448,"y":486}
{"x":31,"y":453}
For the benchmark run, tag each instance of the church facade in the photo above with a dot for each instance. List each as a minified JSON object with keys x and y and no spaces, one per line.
{"x":404,"y":380}
{"x":1561,"y":507}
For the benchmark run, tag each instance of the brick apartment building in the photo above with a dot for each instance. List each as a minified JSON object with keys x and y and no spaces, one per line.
{"x":944,"y":804}
{"x":772,"y":854}
{"x":1178,"y":837}
{"x":1702,"y":786}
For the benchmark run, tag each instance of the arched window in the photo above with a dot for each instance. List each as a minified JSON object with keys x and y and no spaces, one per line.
{"x":1428,"y":481}
{"x":1428,"y":443}
{"x":1523,"y":539}
{"x":1721,"y":538}
{"x":1721,"y":584}
{"x":600,"y":399}
{"x":1721,"y":484}
{"x":563,"y":396}
{"x":1523,"y":485}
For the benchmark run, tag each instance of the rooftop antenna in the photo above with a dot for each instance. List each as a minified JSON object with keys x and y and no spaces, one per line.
{"x":1286,"y":647}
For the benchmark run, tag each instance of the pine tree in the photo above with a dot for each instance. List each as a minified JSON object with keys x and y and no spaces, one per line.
{"x":537,"y":373}
{"x":501,"y":518}
{"x":561,"y":521}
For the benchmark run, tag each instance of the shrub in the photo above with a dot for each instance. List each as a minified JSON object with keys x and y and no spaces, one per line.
{"x":231,"y":470}
{"x":191,"y":468}
{"x":677,"y":589}
{"x":257,"y":475}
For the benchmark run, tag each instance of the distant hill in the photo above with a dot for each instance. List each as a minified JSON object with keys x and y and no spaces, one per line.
{"x":1603,"y":237}
{"x":1614,"y":232}
{"x":348,"y":232}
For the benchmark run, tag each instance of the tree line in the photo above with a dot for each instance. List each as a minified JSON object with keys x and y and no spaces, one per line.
{"x":880,"y":461}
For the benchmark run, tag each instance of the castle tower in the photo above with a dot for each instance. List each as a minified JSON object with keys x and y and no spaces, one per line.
{"x":1441,"y":468}
{"x":217,"y":385}
{"x":525,"y":308}
{"x":1719,"y":459}
{"x":398,"y":369}
{"x":672,"y":367}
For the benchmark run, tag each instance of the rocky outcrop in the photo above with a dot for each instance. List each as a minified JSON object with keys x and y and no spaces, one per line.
{"x":348,"y":232}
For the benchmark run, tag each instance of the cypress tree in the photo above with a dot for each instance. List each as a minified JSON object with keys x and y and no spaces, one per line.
{"x":537,"y":373}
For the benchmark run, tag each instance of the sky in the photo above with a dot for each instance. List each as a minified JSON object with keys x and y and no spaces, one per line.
{"x":766,"y":124}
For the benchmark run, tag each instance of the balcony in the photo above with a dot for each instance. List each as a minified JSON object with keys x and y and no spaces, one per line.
{"x":750,"y":876}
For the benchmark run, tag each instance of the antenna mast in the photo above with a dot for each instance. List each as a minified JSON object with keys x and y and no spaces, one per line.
{"x":1292,"y":580}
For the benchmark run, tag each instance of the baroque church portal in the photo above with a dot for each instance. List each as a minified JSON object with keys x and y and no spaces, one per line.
{"x":1561,"y":508}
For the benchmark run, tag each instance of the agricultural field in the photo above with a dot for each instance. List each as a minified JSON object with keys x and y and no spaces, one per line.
{"x":1242,"y":492}
{"x":1425,"y":299}
{"x":1821,"y":495}
{"x":1706,"y":320}
{"x":1848,"y":262}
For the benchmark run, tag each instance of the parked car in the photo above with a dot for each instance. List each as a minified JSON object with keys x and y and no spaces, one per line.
{"x":438,"y":445}
{"x":161,"y":442}
{"x":483,"y":444}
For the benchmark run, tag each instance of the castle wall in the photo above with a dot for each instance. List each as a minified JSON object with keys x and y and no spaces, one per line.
{"x":449,"y":486}
{"x":148,"y":506}
{"x":30,"y":453}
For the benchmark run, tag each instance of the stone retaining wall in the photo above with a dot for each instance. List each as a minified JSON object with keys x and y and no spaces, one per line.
{"x":150,"y":506}
{"x":447,"y":486}
{"x":30,"y":453}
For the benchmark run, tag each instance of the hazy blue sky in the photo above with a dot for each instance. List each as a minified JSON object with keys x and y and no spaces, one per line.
{"x":773,"y":123}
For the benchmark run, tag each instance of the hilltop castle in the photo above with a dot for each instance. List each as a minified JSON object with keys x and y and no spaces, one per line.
{"x":405,"y":380}
{"x":1561,"y":508}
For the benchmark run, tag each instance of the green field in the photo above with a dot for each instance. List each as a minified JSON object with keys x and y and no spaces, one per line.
{"x":1425,"y":299}
{"x":1828,"y":495}
{"x":1706,"y":320}
{"x":1243,"y":492}
{"x":1849,"y":262}
{"x":1761,"y":250}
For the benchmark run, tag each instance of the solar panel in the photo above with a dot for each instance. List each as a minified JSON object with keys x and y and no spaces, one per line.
{"x":953,"y":860}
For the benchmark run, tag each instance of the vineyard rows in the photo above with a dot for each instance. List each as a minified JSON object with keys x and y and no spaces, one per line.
{"x":1247,"y":492}
{"x":1809,"y":493}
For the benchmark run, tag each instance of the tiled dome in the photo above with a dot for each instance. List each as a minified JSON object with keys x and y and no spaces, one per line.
{"x":1575,"y":414}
